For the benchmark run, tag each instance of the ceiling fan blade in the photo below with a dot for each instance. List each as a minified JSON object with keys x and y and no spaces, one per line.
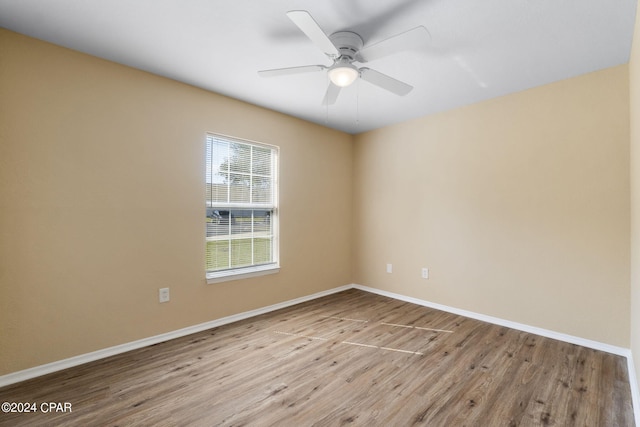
{"x":417,"y":38}
{"x":310,"y":27}
{"x":385,"y":82}
{"x":331,"y":96}
{"x":291,"y":70}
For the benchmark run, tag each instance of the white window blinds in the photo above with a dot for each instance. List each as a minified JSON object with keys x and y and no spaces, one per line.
{"x":241,"y":200}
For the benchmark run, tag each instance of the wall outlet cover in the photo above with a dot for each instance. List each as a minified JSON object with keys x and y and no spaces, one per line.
{"x":163,"y":295}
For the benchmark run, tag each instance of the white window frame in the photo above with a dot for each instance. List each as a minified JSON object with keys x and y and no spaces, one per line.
{"x":260,"y":269}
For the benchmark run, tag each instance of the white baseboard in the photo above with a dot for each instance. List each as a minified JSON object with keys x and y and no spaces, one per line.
{"x":635,"y":392}
{"x":620,"y":351}
{"x":37,"y":371}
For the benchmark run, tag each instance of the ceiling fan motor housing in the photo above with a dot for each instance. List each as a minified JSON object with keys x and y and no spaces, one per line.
{"x":347,"y":42}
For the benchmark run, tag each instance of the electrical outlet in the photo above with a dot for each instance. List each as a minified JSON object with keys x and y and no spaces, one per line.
{"x":425,"y":273}
{"x":389,"y":268}
{"x":163,"y":295}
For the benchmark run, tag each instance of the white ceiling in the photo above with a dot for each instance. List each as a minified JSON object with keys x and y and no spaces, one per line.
{"x":479,"y":49}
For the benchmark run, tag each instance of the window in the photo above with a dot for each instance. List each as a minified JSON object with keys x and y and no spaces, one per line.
{"x":242,"y":215}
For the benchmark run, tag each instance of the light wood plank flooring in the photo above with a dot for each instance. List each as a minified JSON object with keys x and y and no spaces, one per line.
{"x":352,"y":358}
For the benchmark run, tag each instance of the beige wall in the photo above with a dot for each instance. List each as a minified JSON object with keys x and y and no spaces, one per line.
{"x":634,"y":82}
{"x":101,"y":204}
{"x":519,"y":206}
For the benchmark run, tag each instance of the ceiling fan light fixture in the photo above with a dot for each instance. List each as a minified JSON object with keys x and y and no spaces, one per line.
{"x":343,"y":75}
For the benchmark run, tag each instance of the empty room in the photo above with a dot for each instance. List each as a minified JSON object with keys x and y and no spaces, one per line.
{"x":347,"y":212}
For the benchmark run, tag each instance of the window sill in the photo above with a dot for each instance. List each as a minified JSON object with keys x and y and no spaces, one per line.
{"x":242,"y":273}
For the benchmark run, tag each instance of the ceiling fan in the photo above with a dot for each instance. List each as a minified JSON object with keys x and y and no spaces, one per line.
{"x":345,"y":48}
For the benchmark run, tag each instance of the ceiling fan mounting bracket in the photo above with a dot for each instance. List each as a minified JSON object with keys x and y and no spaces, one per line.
{"x":347,"y":42}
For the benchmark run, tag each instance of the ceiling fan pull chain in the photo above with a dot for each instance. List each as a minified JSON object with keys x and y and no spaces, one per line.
{"x":326,"y":104}
{"x":358,"y":104}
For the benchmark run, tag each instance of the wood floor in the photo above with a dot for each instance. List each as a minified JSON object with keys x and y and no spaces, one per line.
{"x":351,"y":358}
